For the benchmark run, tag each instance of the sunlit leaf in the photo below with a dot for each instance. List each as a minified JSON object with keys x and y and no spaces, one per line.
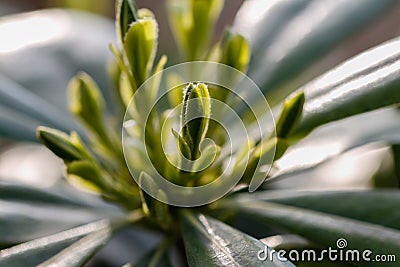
{"x":382,"y":204}
{"x":323,"y":228}
{"x":366,"y":82}
{"x":140,"y":47}
{"x":209,"y":242}
{"x":283,"y":51}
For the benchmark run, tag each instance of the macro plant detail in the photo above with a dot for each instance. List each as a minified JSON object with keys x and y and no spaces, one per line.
{"x":203,"y":142}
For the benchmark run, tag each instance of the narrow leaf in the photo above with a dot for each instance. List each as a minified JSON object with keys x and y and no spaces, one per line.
{"x":26,"y":104}
{"x":209,"y":242}
{"x":191,"y":22}
{"x":382,"y":204}
{"x":81,"y":251}
{"x":284,"y":54}
{"x":365,"y":83}
{"x":325,"y":229}
{"x":235,"y":52}
{"x":34,"y":252}
{"x":87,"y":103}
{"x":140,"y":47}
{"x":196,"y":112}
{"x":59,"y":143}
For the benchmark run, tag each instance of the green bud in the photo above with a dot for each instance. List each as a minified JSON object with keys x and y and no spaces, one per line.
{"x":195,"y":117}
{"x":290,"y":115}
{"x":59,"y":143}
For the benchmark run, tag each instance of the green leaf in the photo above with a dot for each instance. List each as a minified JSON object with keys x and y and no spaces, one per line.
{"x":23,"y":220}
{"x":81,"y":251}
{"x":196,"y":112}
{"x":382,"y":204}
{"x":290,"y":115}
{"x":126,"y":15}
{"x":284,"y":54}
{"x":208,"y":156}
{"x":325,"y":229}
{"x":30,"y":108}
{"x":235,"y":52}
{"x":21,"y":193}
{"x":191,"y":22}
{"x":36,"y":251}
{"x":152,"y":207}
{"x":209,"y":242}
{"x":140,"y":47}
{"x":66,"y":147}
{"x":88,"y":172}
{"x":267,"y":150}
{"x":182,"y":144}
{"x":366,"y":82}
{"x":332,"y":140}
{"x":87,"y":103}
{"x":15,"y":126}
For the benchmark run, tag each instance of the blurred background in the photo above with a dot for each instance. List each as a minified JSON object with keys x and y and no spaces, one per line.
{"x":40,"y":52}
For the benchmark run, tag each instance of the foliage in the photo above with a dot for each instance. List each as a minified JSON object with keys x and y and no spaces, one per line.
{"x":276,"y":58}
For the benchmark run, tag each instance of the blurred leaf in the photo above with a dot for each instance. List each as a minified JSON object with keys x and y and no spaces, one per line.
{"x":87,"y":172}
{"x":126,"y":15}
{"x":235,"y":52}
{"x":87,"y":104}
{"x":209,"y":242}
{"x":81,"y":251}
{"x":140,"y":47}
{"x":331,"y":140}
{"x":283,"y":51}
{"x":27,"y":212}
{"x":325,"y":229}
{"x":24,"y":103}
{"x":36,"y":251}
{"x":19,"y":192}
{"x":367,"y":82}
{"x":191,"y":22}
{"x":17,"y":126}
{"x":381,"y":205}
